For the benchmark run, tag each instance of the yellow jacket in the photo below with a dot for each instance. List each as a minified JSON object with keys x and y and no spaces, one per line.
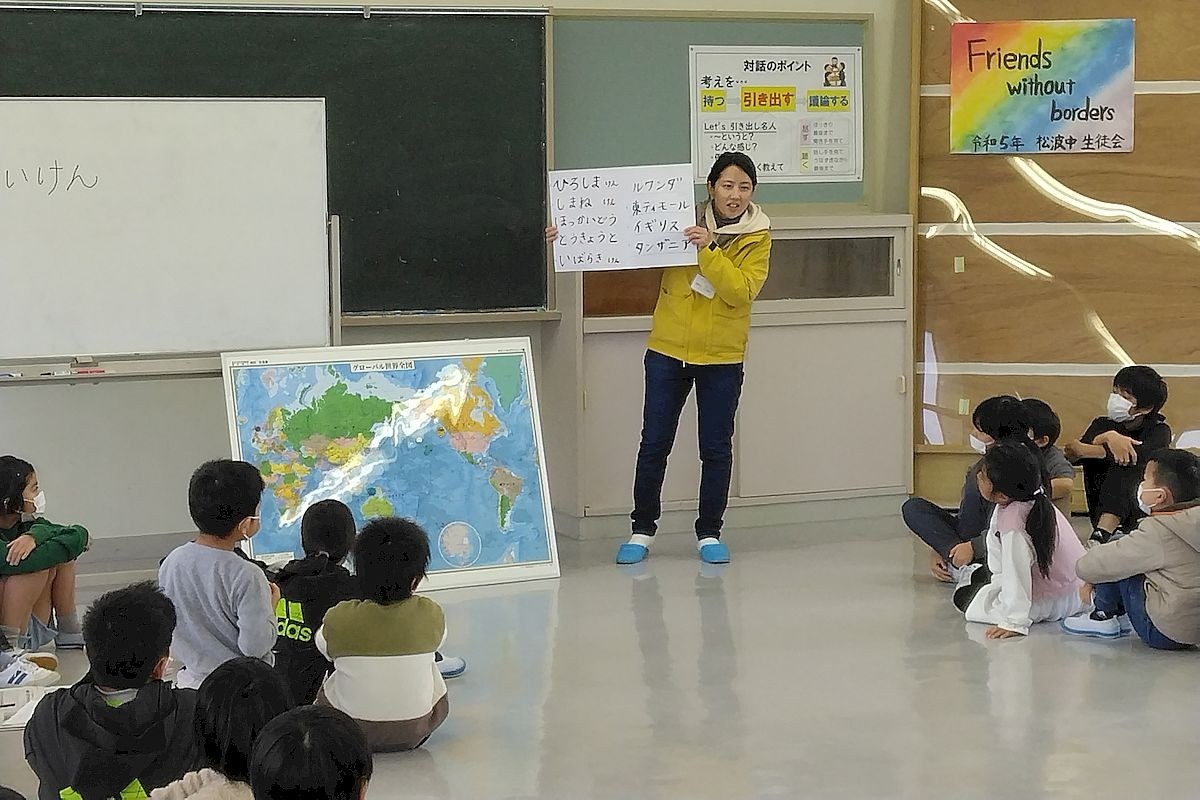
{"x":696,"y":330}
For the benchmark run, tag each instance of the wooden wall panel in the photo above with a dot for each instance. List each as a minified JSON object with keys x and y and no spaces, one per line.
{"x":1145,"y":289}
{"x":1166,"y":44}
{"x":1077,"y":400}
{"x":630,"y":292}
{"x":995,"y":192}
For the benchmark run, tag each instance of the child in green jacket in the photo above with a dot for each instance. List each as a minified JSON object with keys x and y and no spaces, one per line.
{"x":37,"y":565}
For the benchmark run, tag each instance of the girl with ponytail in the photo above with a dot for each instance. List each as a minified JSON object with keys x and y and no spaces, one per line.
{"x":1031,"y":548}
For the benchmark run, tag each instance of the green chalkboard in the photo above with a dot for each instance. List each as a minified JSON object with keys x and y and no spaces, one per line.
{"x":436,"y":128}
{"x":621,"y":90}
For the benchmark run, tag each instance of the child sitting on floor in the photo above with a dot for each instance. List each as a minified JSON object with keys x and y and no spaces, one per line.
{"x":1031,"y":549}
{"x":312,"y":585}
{"x":383,"y":647}
{"x":233,"y":705}
{"x":122,"y":731}
{"x":311,"y":753}
{"x":1046,"y":428}
{"x":1149,"y":581}
{"x":37,"y":568}
{"x":1113,"y":451}
{"x":956,"y":539}
{"x":226,"y":606}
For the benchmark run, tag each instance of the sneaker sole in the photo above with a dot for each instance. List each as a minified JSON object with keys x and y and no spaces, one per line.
{"x":1092,"y":634}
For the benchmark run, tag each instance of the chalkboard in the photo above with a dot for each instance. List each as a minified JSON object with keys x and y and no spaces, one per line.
{"x":436,"y":128}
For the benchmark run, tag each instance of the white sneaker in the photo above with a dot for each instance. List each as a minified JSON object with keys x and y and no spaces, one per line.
{"x":962,"y":575}
{"x":26,"y":673}
{"x":1090,"y":625}
{"x":44,"y":660}
{"x":451,"y":667}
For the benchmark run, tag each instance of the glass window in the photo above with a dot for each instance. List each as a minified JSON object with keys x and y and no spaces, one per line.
{"x":804,"y":269}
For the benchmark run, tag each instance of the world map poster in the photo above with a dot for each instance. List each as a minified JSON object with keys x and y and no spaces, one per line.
{"x":446,"y":434}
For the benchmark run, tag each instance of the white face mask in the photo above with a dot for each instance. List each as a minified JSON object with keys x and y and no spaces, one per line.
{"x":978,"y":446}
{"x":39,"y":507}
{"x":1142,"y":504}
{"x":1119,"y":408}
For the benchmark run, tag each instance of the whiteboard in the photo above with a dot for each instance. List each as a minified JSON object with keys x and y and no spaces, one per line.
{"x":132,"y":226}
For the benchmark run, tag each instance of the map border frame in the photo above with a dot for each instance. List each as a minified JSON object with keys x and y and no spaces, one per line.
{"x":462,"y":348}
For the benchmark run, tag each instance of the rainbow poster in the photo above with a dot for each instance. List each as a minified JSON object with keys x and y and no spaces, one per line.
{"x":1056,"y":86}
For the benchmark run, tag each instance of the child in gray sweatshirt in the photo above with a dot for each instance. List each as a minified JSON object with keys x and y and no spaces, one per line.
{"x":225,"y":606}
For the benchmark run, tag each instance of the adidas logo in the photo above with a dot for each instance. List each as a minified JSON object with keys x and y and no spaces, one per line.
{"x":291,"y":625}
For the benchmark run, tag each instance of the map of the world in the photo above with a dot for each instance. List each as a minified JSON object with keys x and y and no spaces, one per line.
{"x":449,"y":441}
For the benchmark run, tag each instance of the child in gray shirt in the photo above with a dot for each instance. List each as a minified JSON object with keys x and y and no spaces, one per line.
{"x":1046,"y":428}
{"x":225,"y":606}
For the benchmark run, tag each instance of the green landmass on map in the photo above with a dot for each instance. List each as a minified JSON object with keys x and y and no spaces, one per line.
{"x":336,"y":414}
{"x":377,"y":506}
{"x":506,"y":372}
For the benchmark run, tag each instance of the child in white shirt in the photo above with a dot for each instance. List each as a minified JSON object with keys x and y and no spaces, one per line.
{"x":1031,"y":549}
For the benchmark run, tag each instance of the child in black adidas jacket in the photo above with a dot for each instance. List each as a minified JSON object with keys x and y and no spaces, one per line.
{"x":308,"y":588}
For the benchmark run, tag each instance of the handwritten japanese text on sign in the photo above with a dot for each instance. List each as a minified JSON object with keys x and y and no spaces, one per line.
{"x":797,"y":112}
{"x":1042,"y":86}
{"x":622,"y":217}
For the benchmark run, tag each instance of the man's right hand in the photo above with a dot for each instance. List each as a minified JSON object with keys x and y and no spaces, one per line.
{"x":552,"y":233}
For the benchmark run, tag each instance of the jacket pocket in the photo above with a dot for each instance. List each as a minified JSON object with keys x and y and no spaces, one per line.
{"x":730,"y":328}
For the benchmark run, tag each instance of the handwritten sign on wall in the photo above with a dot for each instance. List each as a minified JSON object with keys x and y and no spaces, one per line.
{"x":622,"y":217}
{"x":1058,"y":86}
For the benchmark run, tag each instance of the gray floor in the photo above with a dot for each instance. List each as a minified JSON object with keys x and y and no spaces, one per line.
{"x":823,"y":663}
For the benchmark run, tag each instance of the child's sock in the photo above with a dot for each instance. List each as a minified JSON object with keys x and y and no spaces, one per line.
{"x":13,"y":636}
{"x":67,"y":623}
{"x":641,"y":539}
{"x":1100,"y":535}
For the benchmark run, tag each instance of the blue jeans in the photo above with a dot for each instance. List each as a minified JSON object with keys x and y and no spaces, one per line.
{"x":668,"y":384}
{"x":1129,"y":596}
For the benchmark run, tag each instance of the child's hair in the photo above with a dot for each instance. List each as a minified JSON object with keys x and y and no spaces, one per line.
{"x":1179,"y":471}
{"x":310,"y":753}
{"x":126,"y":633}
{"x":727,"y":160}
{"x":10,"y":794}
{"x":1042,"y":419}
{"x":14,"y":477}
{"x":1148,"y":388}
{"x":234,"y":704}
{"x":1014,"y":468}
{"x":327,"y":527}
{"x":1002,"y":417}
{"x":222,"y":493}
{"x":391,"y":554}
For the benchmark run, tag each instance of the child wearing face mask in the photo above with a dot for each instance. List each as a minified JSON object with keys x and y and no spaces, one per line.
{"x":37,"y":570}
{"x":956,"y":539}
{"x":1031,"y":549}
{"x":225,"y":604}
{"x":1115,"y":448}
{"x":1149,"y":581}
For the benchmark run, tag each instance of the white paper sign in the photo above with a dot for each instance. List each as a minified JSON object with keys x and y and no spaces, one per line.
{"x":622,"y":217}
{"x":797,"y":112}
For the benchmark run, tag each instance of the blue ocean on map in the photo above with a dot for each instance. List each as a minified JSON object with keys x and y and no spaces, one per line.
{"x":448,"y":442}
